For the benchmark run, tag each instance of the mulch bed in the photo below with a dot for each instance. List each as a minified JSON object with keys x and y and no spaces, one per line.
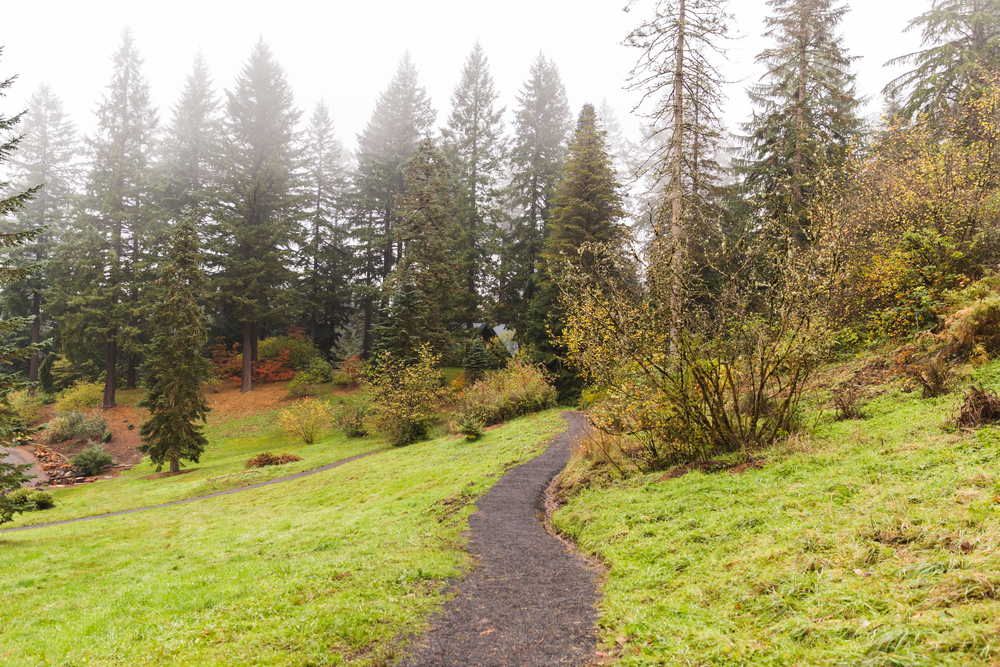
{"x":529,"y":601}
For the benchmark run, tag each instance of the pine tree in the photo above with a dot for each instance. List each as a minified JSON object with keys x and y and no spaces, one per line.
{"x":476,"y":361}
{"x":402,"y":116}
{"x":422,"y":283}
{"x":259,"y":202}
{"x":110,"y":251}
{"x":541,"y":124}
{"x":586,"y":216}
{"x":962,"y":40}
{"x":806,"y":109}
{"x":174,"y":366}
{"x":47,"y":155}
{"x":475,"y":145}
{"x":324,"y":257}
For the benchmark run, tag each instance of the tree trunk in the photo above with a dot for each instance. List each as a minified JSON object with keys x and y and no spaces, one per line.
{"x":247,"y":368}
{"x":366,"y":341}
{"x":254,"y":338}
{"x":36,"y":329}
{"x":130,"y":371}
{"x":676,"y":194}
{"x":112,"y":360}
{"x":175,"y":465}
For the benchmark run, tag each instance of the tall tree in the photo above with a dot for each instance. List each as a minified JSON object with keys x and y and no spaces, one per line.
{"x":475,"y":145}
{"x":190,"y":146}
{"x":111,"y":250}
{"x":174,"y":365}
{"x":805,"y":109}
{"x":324,"y":256}
{"x":422,"y":283}
{"x":541,"y":124}
{"x":962,"y":52}
{"x":402,"y":116}
{"x":259,"y":199}
{"x":681,"y":92}
{"x":47,"y":155}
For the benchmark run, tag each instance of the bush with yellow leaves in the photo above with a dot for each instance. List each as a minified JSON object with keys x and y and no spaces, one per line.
{"x":403,"y":396}
{"x":305,"y":419}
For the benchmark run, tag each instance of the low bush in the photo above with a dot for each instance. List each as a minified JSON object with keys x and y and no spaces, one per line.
{"x":92,"y":460}
{"x":81,"y":396}
{"x":403,"y":396}
{"x":76,"y":426}
{"x":305,"y":419}
{"x":350,"y":419}
{"x":470,"y":427}
{"x":979,"y":406}
{"x":518,"y":389}
{"x":25,"y":406}
{"x":934,"y":377}
{"x":848,"y":402}
{"x":26,"y":500}
{"x":308,"y":380}
{"x":294,"y":348}
{"x":270,"y":459}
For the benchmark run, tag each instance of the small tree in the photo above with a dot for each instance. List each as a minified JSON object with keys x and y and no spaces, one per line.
{"x":403,"y":395}
{"x":174,"y":367}
{"x":476,"y":362}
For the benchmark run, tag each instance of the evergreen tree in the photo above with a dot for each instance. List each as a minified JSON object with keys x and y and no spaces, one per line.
{"x":541,"y":124}
{"x":477,"y":361}
{"x":47,"y":155}
{"x":475,"y":145}
{"x":109,"y":254}
{"x":962,"y":40}
{"x":806,"y":109}
{"x":190,"y":146}
{"x":402,"y":116}
{"x":174,"y":366}
{"x":422,"y":283}
{"x":586,"y":214}
{"x":259,"y":202}
{"x":324,"y":258}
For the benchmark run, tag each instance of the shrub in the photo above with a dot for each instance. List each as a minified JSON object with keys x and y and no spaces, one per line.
{"x":25,"y":406}
{"x":403,"y":396}
{"x":348,"y":373}
{"x":470,"y":427}
{"x":980,"y":406}
{"x":213,"y":383}
{"x":75,"y":426}
{"x":295,"y":349}
{"x":81,"y":396}
{"x":518,"y":389}
{"x":304,"y":419}
{"x":92,"y":460}
{"x":269,"y":459}
{"x":306,"y":381}
{"x":350,"y":419}
{"x":848,"y":403}
{"x":26,"y":500}
{"x":934,"y":377}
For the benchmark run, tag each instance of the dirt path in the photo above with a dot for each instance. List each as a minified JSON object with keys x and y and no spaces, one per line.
{"x":529,"y":601}
{"x":22,"y":455}
{"x":238,"y":489}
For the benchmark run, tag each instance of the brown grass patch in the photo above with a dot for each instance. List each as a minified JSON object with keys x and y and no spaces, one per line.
{"x":271,"y":459}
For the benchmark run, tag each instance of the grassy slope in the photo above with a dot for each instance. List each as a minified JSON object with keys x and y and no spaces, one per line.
{"x":325,"y":570}
{"x":848,"y":548}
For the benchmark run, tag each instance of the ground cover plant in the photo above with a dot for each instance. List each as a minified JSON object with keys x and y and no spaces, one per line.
{"x":867,"y":542}
{"x":336,"y":568}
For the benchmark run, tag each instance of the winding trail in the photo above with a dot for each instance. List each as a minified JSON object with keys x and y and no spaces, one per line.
{"x":288,"y":478}
{"x":529,"y":601}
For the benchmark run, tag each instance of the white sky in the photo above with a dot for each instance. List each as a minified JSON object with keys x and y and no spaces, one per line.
{"x":346,"y":51}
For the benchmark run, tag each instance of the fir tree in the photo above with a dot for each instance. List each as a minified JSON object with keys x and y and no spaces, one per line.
{"x":477,"y":361}
{"x":806,"y":107}
{"x":541,"y":124}
{"x":475,"y":145}
{"x":174,"y":366}
{"x":962,"y":40}
{"x":402,"y":116}
{"x":259,"y":203}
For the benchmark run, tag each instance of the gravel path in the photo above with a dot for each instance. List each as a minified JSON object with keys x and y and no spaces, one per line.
{"x":238,"y":489}
{"x":529,"y":601}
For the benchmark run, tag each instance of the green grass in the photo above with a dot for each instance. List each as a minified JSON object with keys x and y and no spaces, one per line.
{"x":848,"y":548}
{"x":336,"y":568}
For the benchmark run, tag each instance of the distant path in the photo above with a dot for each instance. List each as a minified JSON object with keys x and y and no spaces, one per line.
{"x":529,"y":601}
{"x":21,"y":456}
{"x":238,"y":489}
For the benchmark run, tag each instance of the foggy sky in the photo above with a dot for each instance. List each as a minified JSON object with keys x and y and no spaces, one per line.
{"x":347,"y":52}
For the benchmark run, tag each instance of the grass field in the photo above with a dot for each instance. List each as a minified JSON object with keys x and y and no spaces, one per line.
{"x":870,"y":542}
{"x":331,"y":569}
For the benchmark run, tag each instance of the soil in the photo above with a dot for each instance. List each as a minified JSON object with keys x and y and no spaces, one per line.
{"x":529,"y":601}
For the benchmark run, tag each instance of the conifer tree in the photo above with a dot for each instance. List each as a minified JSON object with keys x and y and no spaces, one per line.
{"x":806,"y":107}
{"x":324,"y":258}
{"x":259,"y":202}
{"x":422,"y":283}
{"x":109,"y":253}
{"x":475,"y":145}
{"x":476,"y":361}
{"x":541,"y":124}
{"x":402,"y":116}
{"x":962,"y":51}
{"x":47,"y":155}
{"x":174,"y":366}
